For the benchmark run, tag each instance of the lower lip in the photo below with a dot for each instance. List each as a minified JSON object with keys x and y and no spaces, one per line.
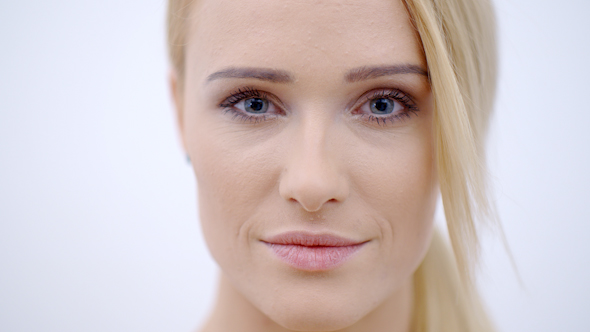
{"x":314,"y":258}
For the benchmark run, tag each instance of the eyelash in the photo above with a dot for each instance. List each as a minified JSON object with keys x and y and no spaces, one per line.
{"x":405,"y":100}
{"x":409,"y":105}
{"x":239,"y":95}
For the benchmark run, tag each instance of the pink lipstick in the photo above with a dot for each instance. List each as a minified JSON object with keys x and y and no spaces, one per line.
{"x":311,"y":252}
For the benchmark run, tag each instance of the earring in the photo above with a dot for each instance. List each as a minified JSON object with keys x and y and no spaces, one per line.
{"x":188,"y":159}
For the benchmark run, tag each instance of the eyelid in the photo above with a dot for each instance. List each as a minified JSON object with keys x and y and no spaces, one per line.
{"x":242,"y":94}
{"x":397,"y":95}
{"x":406,"y":100}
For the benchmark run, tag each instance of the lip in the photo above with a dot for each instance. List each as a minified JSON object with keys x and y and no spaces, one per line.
{"x":313,"y":252}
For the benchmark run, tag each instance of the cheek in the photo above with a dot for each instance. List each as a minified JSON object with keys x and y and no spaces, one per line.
{"x":399,"y":187}
{"x":234,"y":178}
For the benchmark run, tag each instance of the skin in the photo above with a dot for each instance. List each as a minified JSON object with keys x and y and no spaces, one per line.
{"x":315,"y":162}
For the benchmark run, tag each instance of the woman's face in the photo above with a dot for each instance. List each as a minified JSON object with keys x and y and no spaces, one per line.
{"x":309,"y":127}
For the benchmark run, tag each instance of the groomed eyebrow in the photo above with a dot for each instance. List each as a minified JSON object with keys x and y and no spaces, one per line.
{"x":282,"y":76}
{"x":367,"y":73}
{"x":263,"y":74}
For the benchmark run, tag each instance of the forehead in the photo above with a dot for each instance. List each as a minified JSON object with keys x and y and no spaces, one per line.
{"x":300,"y":35}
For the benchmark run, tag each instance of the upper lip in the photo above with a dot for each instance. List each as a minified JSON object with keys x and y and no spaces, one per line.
{"x":311,"y":240}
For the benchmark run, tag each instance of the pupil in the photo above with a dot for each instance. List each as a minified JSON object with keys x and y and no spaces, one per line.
{"x":382,"y":106}
{"x":255,"y":105}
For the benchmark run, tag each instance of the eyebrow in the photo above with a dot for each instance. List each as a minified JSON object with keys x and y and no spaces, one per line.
{"x":367,"y":73}
{"x":263,"y":74}
{"x":282,"y":76}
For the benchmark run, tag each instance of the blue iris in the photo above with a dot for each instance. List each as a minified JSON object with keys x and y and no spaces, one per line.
{"x":256,"y":105}
{"x":382,"y":106}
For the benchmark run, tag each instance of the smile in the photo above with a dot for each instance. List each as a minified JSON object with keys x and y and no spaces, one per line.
{"x":311,"y":252}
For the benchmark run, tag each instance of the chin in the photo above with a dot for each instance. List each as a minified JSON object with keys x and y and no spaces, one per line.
{"x":320,"y":305}
{"x":317,"y":316}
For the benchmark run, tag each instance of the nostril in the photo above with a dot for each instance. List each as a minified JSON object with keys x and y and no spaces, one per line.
{"x":311,"y":180}
{"x":313,"y":194}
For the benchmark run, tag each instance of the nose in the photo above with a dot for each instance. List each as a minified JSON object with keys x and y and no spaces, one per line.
{"x":313,"y":175}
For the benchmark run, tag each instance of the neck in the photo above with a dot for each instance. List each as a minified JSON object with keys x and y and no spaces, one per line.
{"x":233,"y":312}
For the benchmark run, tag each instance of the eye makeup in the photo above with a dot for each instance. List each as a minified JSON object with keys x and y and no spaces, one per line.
{"x":404,"y":106}
{"x":234,"y":105}
{"x":369,"y":107}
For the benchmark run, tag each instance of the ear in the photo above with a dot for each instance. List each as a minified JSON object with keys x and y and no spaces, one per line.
{"x":177,"y":98}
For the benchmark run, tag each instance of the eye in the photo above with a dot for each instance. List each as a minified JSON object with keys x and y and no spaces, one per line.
{"x":384,"y":106}
{"x":255,"y":105}
{"x":251,"y":105}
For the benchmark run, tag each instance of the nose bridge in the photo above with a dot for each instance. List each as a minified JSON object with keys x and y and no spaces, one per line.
{"x":313,"y":175}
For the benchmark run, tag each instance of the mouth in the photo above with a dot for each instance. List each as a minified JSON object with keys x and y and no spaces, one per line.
{"x":313,"y":252}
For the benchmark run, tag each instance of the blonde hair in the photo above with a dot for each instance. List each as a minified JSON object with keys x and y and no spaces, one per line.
{"x":459,"y":43}
{"x":458,"y":39}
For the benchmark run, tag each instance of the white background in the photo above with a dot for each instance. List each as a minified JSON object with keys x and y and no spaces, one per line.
{"x":98,"y":221}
